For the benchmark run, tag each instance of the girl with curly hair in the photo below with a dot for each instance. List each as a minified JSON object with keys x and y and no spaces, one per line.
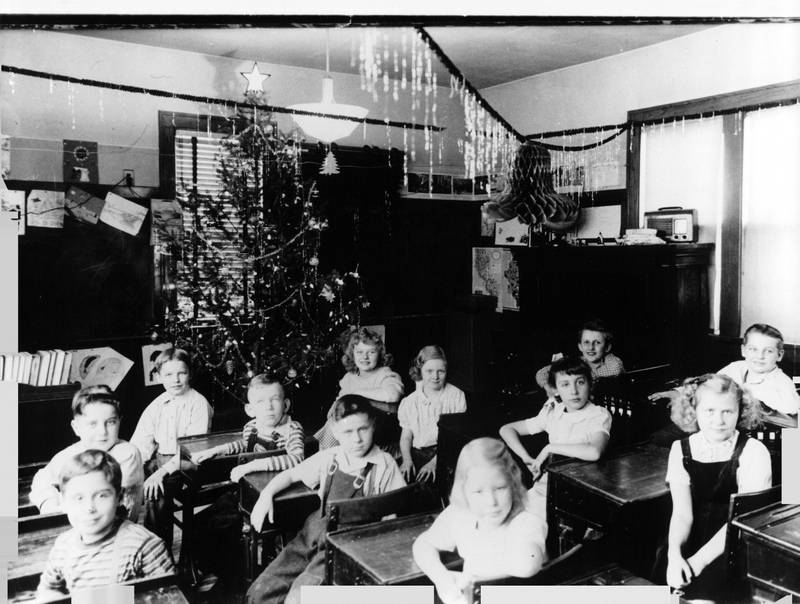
{"x":368,"y":374}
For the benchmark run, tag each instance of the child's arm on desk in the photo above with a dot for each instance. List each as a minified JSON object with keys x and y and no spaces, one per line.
{"x":590,"y":451}
{"x":264,"y":506}
{"x":510,"y":434}
{"x":449,"y":584}
{"x":154,"y":485}
{"x":295,"y":453}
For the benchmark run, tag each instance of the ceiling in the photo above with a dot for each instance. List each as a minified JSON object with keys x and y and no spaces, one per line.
{"x":486,"y":55}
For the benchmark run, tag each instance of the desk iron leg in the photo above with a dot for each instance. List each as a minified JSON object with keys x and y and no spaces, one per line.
{"x":187,"y":566}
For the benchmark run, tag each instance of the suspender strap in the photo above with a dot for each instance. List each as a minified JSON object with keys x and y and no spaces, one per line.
{"x":358,"y":483}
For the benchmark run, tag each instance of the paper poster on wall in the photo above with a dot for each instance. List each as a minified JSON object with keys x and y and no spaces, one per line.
{"x":495,"y":273}
{"x":122,"y":214}
{"x":80,"y":161}
{"x":46,"y":209}
{"x":83,"y":206}
{"x":95,"y":366}
{"x":166,"y":225}
{"x":13,"y":201}
{"x":512,"y":232}
{"x":150,"y":353}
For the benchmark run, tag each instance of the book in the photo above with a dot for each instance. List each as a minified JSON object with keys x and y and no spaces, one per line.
{"x":35,"y":362}
{"x":44,"y":367}
{"x":51,"y":370}
{"x":25,"y":372}
{"x":67,"y":366}
{"x":15,"y":368}
{"x":58,"y":368}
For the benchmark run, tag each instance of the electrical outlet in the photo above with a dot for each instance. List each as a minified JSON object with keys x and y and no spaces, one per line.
{"x":127,"y":178}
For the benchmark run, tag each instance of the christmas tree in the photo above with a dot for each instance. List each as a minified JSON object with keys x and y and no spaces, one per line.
{"x":251,"y":296}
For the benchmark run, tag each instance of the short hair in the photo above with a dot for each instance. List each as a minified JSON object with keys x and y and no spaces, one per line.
{"x":767,"y":330}
{"x":492,"y":452}
{"x":356,"y":335}
{"x":94,"y":394}
{"x":571,"y":365}
{"x":428,"y":353}
{"x":264,"y":379}
{"x":351,"y":404}
{"x":599,"y":326}
{"x":92,"y":460}
{"x":683,"y":408}
{"x":173,"y":354}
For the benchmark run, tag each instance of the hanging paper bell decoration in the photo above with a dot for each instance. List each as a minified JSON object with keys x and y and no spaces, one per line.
{"x":329,"y":164}
{"x":529,"y":194}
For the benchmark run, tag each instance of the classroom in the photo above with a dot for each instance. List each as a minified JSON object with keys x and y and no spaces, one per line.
{"x":513,"y":304}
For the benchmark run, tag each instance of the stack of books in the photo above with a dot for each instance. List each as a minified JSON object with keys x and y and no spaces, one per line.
{"x":42,"y":368}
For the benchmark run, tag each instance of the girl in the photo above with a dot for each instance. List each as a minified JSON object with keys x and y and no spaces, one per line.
{"x":575,"y":427}
{"x":369,"y":375}
{"x":704,"y":469}
{"x":419,"y":413}
{"x":486,"y":522}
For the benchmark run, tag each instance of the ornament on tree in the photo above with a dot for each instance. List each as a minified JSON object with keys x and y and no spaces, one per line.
{"x":329,"y":165}
{"x":255,"y":79}
{"x":248,"y":283}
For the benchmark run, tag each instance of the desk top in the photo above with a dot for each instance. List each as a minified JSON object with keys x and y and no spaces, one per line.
{"x":777,"y":524}
{"x":161,"y":590}
{"x":384,"y":548}
{"x":200,"y":442}
{"x":627,"y":476}
{"x":36,"y":536}
{"x":297,"y":499}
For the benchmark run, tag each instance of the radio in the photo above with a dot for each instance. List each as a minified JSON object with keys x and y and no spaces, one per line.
{"x":673,"y":223}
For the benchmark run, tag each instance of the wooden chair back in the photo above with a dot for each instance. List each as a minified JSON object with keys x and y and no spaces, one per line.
{"x":742,"y":503}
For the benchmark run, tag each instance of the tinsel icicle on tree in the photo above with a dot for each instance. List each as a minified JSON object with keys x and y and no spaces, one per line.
{"x":251,"y":295}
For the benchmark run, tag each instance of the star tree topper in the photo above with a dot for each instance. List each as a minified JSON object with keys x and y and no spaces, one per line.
{"x":255,"y":79}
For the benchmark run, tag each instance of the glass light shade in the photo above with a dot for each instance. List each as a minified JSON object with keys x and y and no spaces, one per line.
{"x":326,"y":129}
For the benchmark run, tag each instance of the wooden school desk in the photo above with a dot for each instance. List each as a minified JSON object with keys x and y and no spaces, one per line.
{"x":772,"y":537}
{"x":155,"y":590}
{"x":292,"y":506}
{"x":36,"y":535}
{"x":380,"y":553}
{"x":623,"y":495}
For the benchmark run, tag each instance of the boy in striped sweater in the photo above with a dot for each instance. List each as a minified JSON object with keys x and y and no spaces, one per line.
{"x":102,"y":547}
{"x":271,"y":429}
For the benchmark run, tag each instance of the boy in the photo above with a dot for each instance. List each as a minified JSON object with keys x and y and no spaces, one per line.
{"x":180,"y":411}
{"x":354,"y":468}
{"x":758,"y":373}
{"x":101,"y":548}
{"x":95,"y":421}
{"x":762,"y":350}
{"x":270,"y":429}
{"x":594,"y":343}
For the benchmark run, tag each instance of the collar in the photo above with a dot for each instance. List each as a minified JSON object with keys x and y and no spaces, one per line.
{"x":277,"y":427}
{"x":728,"y":443}
{"x":425,"y":398}
{"x":99,"y":543}
{"x":751,"y":377}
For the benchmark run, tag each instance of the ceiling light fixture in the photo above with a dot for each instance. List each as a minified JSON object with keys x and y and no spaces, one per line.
{"x":327,"y":129}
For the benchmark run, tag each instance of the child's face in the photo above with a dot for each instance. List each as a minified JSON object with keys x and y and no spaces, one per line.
{"x":488,"y":493}
{"x":98,"y":426}
{"x":593,"y":346}
{"x":365,"y":356}
{"x":267,"y":404}
{"x":717,"y":414}
{"x":174,"y":376}
{"x":90,"y":503}
{"x":573,"y":390}
{"x":434,"y":374}
{"x":761,"y":352}
{"x":355,"y":433}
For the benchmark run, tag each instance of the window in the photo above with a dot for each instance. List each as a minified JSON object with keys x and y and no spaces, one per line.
{"x":737,"y":167}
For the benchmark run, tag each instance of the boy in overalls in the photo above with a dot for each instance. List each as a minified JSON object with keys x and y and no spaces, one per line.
{"x":354,"y":468}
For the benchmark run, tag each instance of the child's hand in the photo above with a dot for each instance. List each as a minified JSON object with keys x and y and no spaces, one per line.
{"x":200,"y":456}
{"x":451,"y":589}
{"x":154,"y":485}
{"x":261,"y":510}
{"x":535,"y":466}
{"x":670,"y":394}
{"x":427,"y":472}
{"x":407,"y":469}
{"x":238,"y":472}
{"x":248,"y":430}
{"x":679,"y":572}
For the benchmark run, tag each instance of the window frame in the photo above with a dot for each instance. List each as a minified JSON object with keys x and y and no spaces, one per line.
{"x":729,"y":104}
